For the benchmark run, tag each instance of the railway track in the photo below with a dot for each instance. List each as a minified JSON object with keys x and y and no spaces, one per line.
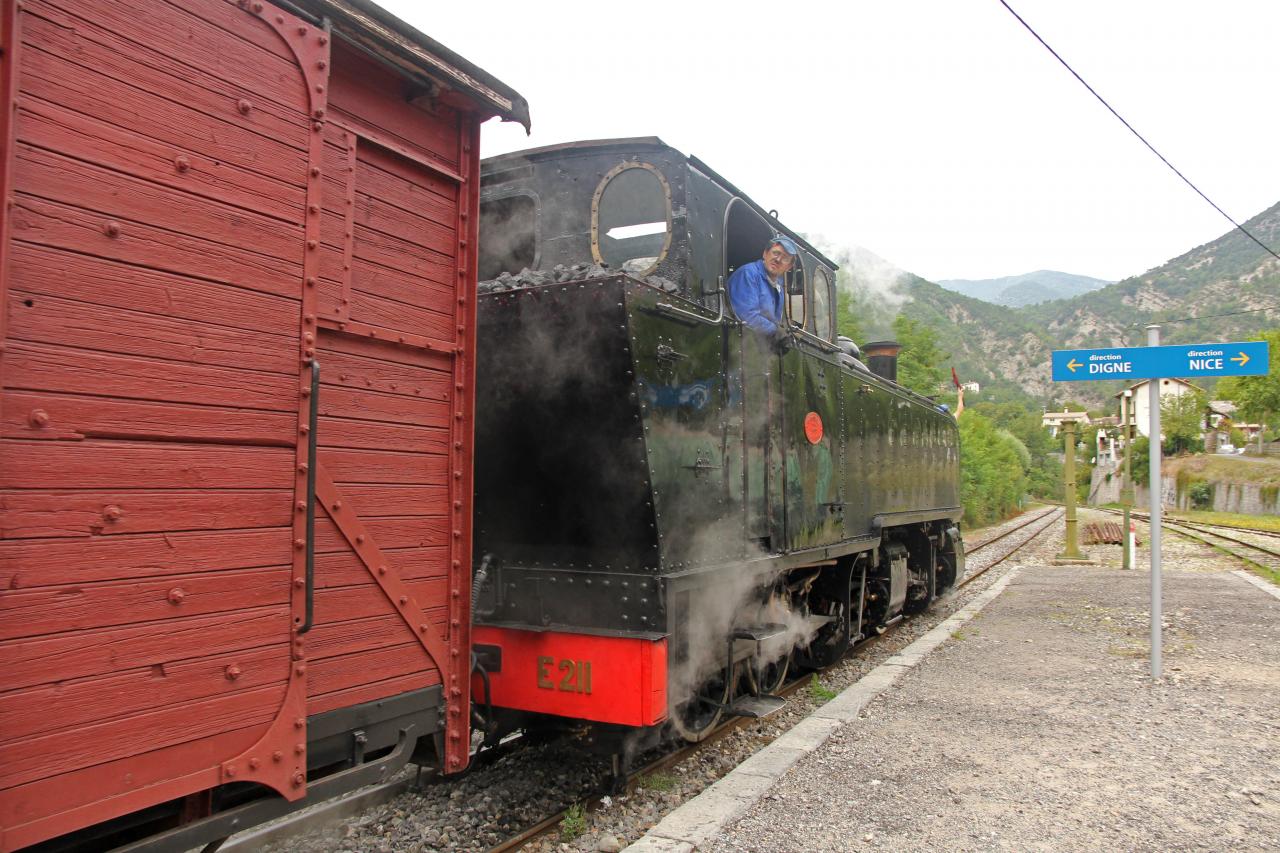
{"x":1263,"y":551}
{"x":356,"y":804}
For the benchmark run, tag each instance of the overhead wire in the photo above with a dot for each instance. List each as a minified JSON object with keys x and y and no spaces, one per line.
{"x":1163,"y":159}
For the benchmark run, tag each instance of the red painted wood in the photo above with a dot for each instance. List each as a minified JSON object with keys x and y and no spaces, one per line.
{"x":352,"y":370}
{"x":76,"y":230}
{"x":181,"y":39}
{"x":394,"y":533}
{"x":153,"y":72}
{"x":413,"y":354}
{"x":48,"y":610}
{"x":399,"y":500}
{"x":416,"y":259}
{"x":101,"y":651}
{"x":51,"y":320}
{"x":388,"y":208}
{"x":102,"y":192}
{"x":427,"y":287}
{"x":52,"y":804}
{"x":389,"y":314}
{"x":343,"y":569}
{"x":377,"y":466}
{"x":361,"y":91}
{"x":57,"y":81}
{"x":399,"y":182}
{"x":28,"y":514}
{"x":32,"y":563}
{"x":347,"y":671}
{"x":345,"y":433}
{"x":40,"y":367}
{"x":53,"y":272}
{"x":81,"y":702}
{"x":51,"y":126}
{"x":29,"y":760}
{"x":352,"y":636}
{"x":341,"y":402}
{"x":73,"y":416}
{"x":111,"y":465}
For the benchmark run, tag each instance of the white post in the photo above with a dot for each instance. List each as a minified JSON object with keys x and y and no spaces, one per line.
{"x":1157,"y":450}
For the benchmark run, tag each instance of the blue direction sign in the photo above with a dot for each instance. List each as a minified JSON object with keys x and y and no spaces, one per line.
{"x":1250,"y":358}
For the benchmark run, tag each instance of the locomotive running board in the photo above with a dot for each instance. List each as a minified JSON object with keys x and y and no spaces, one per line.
{"x":755,"y":706}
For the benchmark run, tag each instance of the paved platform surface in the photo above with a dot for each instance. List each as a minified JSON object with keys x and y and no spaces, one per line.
{"x":1035,"y":726}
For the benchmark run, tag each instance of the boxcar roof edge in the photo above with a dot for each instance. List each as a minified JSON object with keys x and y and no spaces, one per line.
{"x":374,"y":28}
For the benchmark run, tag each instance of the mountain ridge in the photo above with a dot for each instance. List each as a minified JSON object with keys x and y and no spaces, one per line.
{"x":1031,"y":288}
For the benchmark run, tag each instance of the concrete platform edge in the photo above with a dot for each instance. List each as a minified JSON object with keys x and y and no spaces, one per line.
{"x":1269,"y":588}
{"x":697,"y":820}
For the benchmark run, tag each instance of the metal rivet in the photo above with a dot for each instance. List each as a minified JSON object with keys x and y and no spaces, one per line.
{"x":233,"y":672}
{"x":181,"y":163}
{"x":38,"y":418}
{"x":111,"y":512}
{"x":244,"y":106}
{"x":300,"y":582}
{"x":111,"y":228}
{"x":176,"y":595}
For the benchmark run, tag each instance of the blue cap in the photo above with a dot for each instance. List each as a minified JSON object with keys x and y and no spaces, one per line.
{"x":786,"y":243}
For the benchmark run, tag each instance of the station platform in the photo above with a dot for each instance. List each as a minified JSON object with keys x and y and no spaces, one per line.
{"x":1029,"y":721}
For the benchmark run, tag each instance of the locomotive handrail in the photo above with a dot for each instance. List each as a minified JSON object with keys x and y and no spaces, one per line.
{"x":671,"y":310}
{"x":311,"y":495}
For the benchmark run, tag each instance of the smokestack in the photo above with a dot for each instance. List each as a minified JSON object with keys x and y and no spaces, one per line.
{"x":882,"y":358}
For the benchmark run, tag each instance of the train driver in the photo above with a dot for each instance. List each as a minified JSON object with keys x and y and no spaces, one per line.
{"x":756,"y":289}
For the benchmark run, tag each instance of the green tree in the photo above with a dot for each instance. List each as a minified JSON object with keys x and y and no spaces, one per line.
{"x":1181,"y":420}
{"x":1258,"y":397}
{"x":993,"y":469}
{"x":920,"y":363}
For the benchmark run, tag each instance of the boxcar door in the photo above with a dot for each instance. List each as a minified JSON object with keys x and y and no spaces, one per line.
{"x":395,"y":343}
{"x":151,"y":467}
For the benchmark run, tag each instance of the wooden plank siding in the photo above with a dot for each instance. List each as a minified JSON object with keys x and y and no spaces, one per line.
{"x":206,"y":195}
{"x":155,"y":266}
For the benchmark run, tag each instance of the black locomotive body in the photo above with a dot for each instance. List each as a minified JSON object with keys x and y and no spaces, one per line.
{"x":670,"y":509}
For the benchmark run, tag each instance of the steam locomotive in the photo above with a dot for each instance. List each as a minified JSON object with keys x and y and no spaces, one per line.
{"x":669,"y":511}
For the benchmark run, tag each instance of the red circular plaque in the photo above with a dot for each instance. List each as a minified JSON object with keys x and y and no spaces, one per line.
{"x":813,"y":427}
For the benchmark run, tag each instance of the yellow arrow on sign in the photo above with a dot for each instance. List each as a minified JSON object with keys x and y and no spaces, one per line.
{"x":1073,"y":364}
{"x":1242,"y":358}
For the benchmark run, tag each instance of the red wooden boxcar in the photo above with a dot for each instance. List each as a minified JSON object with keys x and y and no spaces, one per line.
{"x":204,"y":199}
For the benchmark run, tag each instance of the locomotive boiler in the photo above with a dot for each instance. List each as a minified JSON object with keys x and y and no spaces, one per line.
{"x":671,"y":511}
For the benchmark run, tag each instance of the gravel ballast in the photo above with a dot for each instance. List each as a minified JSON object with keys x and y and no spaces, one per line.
{"x":1037,"y":726}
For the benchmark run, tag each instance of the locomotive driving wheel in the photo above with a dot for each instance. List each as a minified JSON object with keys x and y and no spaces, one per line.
{"x":694,"y":719}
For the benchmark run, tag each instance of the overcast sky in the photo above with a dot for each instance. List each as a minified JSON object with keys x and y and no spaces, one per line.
{"x":936,"y":133}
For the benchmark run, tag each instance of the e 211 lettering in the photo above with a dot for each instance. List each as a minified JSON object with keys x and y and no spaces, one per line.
{"x":574,"y":675}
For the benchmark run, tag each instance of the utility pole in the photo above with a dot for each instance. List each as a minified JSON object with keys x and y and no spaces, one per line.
{"x":1126,"y":485}
{"x":1072,"y":551}
{"x":1157,"y":450}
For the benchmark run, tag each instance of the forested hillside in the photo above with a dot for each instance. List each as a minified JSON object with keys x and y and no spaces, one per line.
{"x":1007,"y":349}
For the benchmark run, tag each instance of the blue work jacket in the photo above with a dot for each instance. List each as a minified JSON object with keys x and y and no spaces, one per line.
{"x":755,"y":299}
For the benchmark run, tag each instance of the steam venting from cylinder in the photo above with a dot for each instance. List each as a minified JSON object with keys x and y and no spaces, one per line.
{"x":882,"y":358}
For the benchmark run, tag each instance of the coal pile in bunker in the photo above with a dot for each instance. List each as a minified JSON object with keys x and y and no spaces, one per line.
{"x":562,"y":274}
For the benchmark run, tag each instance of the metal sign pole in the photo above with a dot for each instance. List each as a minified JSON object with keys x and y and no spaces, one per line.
{"x":1157,"y":450}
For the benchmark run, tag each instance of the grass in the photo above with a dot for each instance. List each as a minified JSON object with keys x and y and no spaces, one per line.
{"x":657,"y":781}
{"x":820,"y":691}
{"x":1228,"y":519}
{"x":574,"y":822}
{"x":1226,"y":469}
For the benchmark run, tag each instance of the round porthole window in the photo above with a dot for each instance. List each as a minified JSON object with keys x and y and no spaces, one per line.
{"x":631,"y":219}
